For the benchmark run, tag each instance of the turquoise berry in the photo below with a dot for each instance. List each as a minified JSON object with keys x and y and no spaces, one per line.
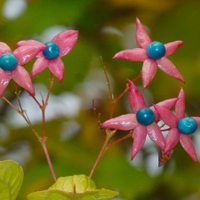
{"x":187,"y":125}
{"x":156,"y":50}
{"x":8,"y":61}
{"x":52,"y":51}
{"x":145,"y":116}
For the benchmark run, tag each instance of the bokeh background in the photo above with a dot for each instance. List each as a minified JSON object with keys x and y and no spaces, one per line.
{"x":74,"y":136}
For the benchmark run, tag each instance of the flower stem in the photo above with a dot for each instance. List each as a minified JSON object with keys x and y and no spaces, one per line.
{"x":42,"y":107}
{"x":109,"y":134}
{"x":43,"y":143}
{"x":111,"y":96}
{"x":42,"y":140}
{"x":114,"y":101}
{"x":120,"y":139}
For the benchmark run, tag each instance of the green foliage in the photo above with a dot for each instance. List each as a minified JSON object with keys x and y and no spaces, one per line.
{"x":77,"y":187}
{"x":11,"y":177}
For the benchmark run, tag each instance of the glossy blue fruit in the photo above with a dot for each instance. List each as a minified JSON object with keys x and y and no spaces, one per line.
{"x":52,"y":51}
{"x":8,"y":61}
{"x":156,"y":50}
{"x":187,"y":125}
{"x":145,"y":116}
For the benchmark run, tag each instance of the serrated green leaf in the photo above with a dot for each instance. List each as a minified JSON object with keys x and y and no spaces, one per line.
{"x":77,"y":187}
{"x":11,"y":177}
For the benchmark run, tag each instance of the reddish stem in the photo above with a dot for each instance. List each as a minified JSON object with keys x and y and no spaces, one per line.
{"x":109,"y":134}
{"x":43,"y":143}
{"x":114,"y":101}
{"x":120,"y":139}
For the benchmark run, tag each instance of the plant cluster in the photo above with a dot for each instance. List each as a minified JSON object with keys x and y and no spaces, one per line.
{"x":142,"y":122}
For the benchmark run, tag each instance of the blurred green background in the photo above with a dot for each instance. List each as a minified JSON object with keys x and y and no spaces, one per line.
{"x":74,"y":136}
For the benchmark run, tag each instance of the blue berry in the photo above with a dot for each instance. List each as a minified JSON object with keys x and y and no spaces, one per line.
{"x":52,"y":51}
{"x":145,"y":116}
{"x":156,"y":50}
{"x":187,"y":125}
{"x":8,"y":61}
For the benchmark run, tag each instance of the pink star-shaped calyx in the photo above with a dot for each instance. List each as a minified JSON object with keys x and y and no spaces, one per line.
{"x":178,"y":130}
{"x":11,"y":66}
{"x":50,"y":57}
{"x":153,"y":55}
{"x":135,"y":122}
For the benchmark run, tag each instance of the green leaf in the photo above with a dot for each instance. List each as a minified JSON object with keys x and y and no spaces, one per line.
{"x":76,"y":183}
{"x":48,"y":195}
{"x":101,"y":194}
{"x":77,"y":187}
{"x":11,"y":177}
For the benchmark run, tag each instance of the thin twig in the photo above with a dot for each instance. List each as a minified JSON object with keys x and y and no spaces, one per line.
{"x":111,"y":96}
{"x":120,"y":139}
{"x":43,"y":143}
{"x":22,"y":113}
{"x":43,"y":139}
{"x":97,"y":115}
{"x":42,"y":107}
{"x":114,"y":101}
{"x":109,"y":134}
{"x":44,"y":104}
